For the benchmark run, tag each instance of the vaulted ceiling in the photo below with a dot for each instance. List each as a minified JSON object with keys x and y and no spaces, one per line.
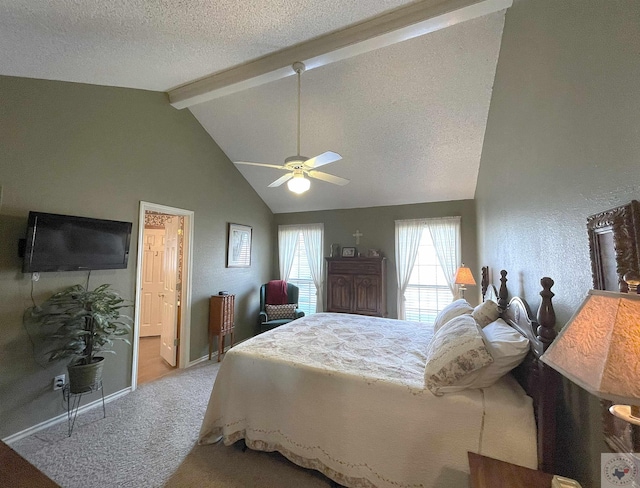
{"x":407,"y":113}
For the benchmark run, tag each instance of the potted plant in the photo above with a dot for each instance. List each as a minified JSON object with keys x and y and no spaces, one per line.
{"x":84,"y":325}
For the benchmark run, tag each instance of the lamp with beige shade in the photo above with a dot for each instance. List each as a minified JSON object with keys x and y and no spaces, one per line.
{"x":464,"y":278}
{"x":599,"y":350}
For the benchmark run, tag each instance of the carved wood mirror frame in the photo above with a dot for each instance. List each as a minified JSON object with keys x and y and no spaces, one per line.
{"x":614,"y":237}
{"x":614,"y":240}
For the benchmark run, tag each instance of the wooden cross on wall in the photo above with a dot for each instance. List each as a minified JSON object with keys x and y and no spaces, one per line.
{"x":357,"y":235}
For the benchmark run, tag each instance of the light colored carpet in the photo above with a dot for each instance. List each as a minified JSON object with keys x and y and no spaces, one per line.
{"x":149,"y":440}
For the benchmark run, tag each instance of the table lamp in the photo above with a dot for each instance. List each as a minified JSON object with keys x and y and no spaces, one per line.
{"x":463,"y":278}
{"x":599,"y":350}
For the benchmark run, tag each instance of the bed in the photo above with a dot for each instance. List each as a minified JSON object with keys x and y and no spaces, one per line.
{"x":346,"y":395}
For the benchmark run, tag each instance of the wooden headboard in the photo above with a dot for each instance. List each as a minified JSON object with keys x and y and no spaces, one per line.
{"x":538,"y":380}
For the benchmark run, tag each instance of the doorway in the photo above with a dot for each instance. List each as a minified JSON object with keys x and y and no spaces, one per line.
{"x":162,"y":313}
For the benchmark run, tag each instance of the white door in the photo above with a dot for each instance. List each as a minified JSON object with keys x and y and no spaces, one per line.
{"x":169,"y":334}
{"x":152,"y":283}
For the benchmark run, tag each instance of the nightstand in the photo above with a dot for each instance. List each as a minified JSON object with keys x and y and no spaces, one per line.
{"x":487,"y":472}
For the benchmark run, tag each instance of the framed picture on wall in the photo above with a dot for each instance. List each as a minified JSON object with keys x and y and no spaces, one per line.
{"x":239,"y":246}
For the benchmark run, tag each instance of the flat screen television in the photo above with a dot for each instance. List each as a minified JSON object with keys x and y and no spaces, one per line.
{"x":68,"y":243}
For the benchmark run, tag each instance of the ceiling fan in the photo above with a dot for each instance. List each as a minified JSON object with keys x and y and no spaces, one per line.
{"x":298,"y":166}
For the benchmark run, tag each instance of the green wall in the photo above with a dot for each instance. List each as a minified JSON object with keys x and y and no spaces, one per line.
{"x":562,"y":143}
{"x":98,"y":151}
{"x":377,"y":224}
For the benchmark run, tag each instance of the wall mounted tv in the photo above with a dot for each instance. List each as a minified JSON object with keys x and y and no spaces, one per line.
{"x":67,"y":243}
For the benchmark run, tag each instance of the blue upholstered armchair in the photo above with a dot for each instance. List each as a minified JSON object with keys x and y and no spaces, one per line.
{"x":292,"y":297}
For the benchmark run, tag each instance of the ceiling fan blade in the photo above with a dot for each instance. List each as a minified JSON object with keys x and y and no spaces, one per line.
{"x":322,"y":159}
{"x":276,"y":166}
{"x":336,"y":180}
{"x":281,"y":180}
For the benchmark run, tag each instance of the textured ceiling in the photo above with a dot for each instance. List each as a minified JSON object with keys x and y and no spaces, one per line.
{"x":408,"y":119}
{"x":159,"y":44}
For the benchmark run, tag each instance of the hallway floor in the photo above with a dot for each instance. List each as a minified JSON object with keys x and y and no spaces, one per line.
{"x":150,"y":365}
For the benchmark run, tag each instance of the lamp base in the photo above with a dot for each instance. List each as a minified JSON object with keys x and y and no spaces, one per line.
{"x":624,"y":412}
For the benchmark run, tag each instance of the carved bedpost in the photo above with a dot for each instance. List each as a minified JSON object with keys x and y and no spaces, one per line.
{"x":503,"y":294}
{"x":546,"y":314}
{"x":549,"y":380}
{"x":485,"y":281}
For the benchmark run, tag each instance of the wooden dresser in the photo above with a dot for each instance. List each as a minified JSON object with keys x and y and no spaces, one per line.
{"x":357,"y":285}
{"x":221,"y":321}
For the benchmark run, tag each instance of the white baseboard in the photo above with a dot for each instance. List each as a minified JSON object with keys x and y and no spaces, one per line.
{"x":198,"y":361}
{"x":206,"y":356}
{"x":63,"y":417}
{"x":109,"y":398}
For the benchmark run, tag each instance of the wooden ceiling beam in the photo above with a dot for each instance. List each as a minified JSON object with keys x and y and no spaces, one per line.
{"x":413,"y":20}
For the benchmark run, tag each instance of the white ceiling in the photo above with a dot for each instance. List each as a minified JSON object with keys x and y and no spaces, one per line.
{"x":408,"y":119}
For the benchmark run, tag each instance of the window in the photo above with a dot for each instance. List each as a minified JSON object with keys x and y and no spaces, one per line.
{"x":428,"y":291}
{"x":301,"y":277}
{"x":427,"y":257}
{"x":300,"y":246}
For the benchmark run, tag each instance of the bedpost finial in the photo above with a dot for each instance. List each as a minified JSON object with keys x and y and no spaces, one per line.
{"x":503,"y":294}
{"x":485,"y":281}
{"x":546,"y":314}
{"x":546,"y":284}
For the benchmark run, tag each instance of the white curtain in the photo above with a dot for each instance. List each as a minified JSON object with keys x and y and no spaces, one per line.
{"x":408,"y":234}
{"x":313,"y":235}
{"x":445,"y":234}
{"x":287,"y":243}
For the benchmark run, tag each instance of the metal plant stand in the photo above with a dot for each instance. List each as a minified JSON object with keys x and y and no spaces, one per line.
{"x":73,"y":402}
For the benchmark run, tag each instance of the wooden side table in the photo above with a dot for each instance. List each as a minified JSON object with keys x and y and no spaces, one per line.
{"x":487,"y":472}
{"x":221,"y":321}
{"x":17,"y":472}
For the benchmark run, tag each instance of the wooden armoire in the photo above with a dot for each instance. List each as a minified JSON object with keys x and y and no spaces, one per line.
{"x":357,"y":285}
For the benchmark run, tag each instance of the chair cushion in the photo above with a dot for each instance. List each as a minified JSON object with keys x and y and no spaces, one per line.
{"x":277,"y":312}
{"x":272,"y":324}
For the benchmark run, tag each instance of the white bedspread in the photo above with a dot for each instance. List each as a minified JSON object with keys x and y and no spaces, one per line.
{"x":344,"y":394}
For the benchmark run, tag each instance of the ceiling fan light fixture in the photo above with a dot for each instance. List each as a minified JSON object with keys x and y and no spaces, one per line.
{"x":298,"y":166}
{"x":298,"y":184}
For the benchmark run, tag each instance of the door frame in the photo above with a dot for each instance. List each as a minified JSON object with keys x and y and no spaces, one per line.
{"x":184,"y":333}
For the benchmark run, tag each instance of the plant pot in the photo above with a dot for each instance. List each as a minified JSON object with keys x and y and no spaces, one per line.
{"x":83,"y":377}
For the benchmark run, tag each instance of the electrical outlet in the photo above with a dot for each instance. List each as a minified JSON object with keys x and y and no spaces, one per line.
{"x":58,"y":382}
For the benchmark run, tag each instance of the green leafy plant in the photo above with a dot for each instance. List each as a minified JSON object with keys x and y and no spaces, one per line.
{"x":84,"y":323}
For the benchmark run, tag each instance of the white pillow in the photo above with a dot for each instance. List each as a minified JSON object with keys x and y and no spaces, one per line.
{"x":486,"y":312}
{"x":454,"y":309}
{"x":456,"y":350}
{"x":507,"y":347}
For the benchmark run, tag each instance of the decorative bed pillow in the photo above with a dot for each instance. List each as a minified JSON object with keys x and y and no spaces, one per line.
{"x":456,"y":350}
{"x":486,"y":313}
{"x":278,"y":312}
{"x":454,"y":309}
{"x":507,"y":347}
